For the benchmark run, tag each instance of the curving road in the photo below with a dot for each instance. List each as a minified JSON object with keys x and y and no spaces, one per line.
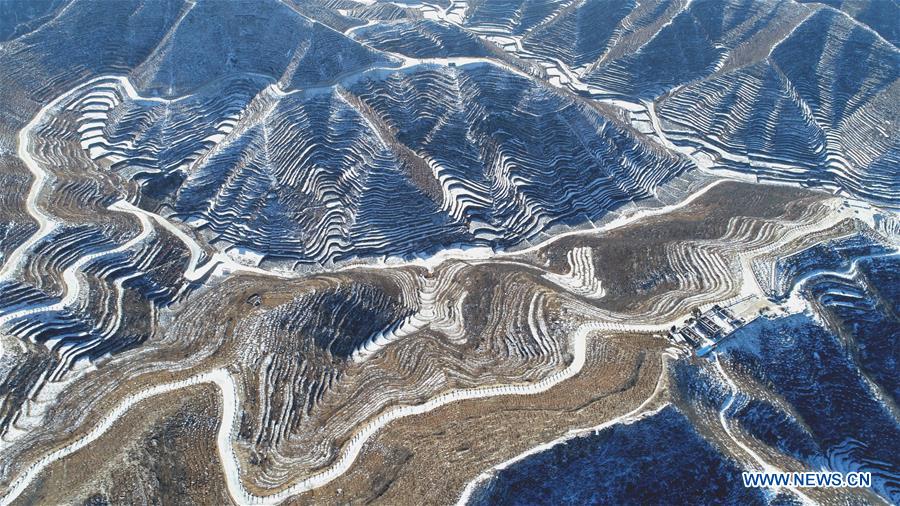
{"x":222,"y":264}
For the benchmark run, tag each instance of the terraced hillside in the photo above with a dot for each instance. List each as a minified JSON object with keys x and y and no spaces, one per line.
{"x":340,"y":251}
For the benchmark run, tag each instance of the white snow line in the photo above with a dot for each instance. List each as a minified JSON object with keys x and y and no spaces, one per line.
{"x":796,"y":303}
{"x":435,"y":260}
{"x":231,"y":466}
{"x":71,"y":282}
{"x":222,"y":264}
{"x":765,"y":466}
{"x":632,"y":416}
{"x":657,"y":128}
{"x":20,"y":483}
{"x":46,"y":224}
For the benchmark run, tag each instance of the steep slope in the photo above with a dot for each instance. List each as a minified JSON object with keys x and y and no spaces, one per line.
{"x":786,"y":119}
{"x":387,"y":163}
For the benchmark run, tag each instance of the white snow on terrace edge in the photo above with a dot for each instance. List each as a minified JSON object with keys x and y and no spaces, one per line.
{"x":72,"y":284}
{"x":796,"y":303}
{"x":220,"y":263}
{"x":223,"y":380}
{"x":224,"y":263}
{"x":230,"y":419}
{"x":230,"y":261}
{"x":758,"y":461}
{"x":632,"y":416}
{"x":581,"y":278}
{"x":486,"y":253}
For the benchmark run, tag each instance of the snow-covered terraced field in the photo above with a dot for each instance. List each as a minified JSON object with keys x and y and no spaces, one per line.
{"x":383,"y":162}
{"x":407,"y":251}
